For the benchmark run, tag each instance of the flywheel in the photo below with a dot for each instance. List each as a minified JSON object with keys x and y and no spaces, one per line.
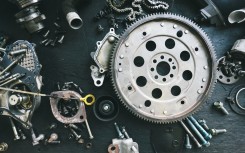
{"x":163,"y":68}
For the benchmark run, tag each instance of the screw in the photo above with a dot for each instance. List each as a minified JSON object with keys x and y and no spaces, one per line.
{"x":48,"y":42}
{"x":3,"y":146}
{"x":61,"y":39}
{"x":187,"y":142}
{"x":220,"y":105}
{"x":190,"y":134}
{"x":204,"y":142}
{"x":75,"y":127}
{"x":54,"y":41}
{"x":43,"y":41}
{"x":89,"y":130}
{"x":35,"y":140}
{"x":77,"y":137}
{"x":53,"y":126}
{"x":206,"y":135}
{"x":53,"y":137}
{"x":120,"y":135}
{"x":204,"y":124}
{"x":45,"y":35}
{"x":125,"y":132}
{"x":217,"y":131}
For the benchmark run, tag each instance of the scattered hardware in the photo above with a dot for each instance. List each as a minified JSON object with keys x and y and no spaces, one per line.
{"x":36,"y":139}
{"x":219,"y":105}
{"x":29,"y":17}
{"x":74,"y":20}
{"x":3,"y":147}
{"x":210,"y":13}
{"x":102,"y":57}
{"x":21,"y":61}
{"x":202,"y":122}
{"x":123,"y":145}
{"x":237,"y":16}
{"x":106,"y":108}
{"x":65,"y":97}
{"x":140,"y":66}
{"x":217,"y":131}
{"x":235,"y":99}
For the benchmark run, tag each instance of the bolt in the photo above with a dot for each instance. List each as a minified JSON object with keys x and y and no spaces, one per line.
{"x":217,"y":131}
{"x":192,"y":126}
{"x":187,"y":142}
{"x":53,"y":137}
{"x":75,"y":127}
{"x":120,"y":135}
{"x":61,"y":39}
{"x":220,"y":105}
{"x":190,"y":134}
{"x":206,"y":135}
{"x":77,"y":137}
{"x":125,"y":132}
{"x":16,"y":52}
{"x":53,"y":126}
{"x":3,"y":146}
{"x":43,"y":41}
{"x":204,"y":124}
{"x":48,"y":42}
{"x":54,"y":41}
{"x":16,"y":135}
{"x":35,"y":140}
{"x":45,"y":35}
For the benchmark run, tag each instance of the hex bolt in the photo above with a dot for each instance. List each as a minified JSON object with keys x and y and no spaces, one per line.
{"x":205,"y":134}
{"x":220,"y":105}
{"x":120,"y":135}
{"x":35,"y":140}
{"x":77,"y":137}
{"x":203,"y":124}
{"x":217,"y":131}
{"x":125,"y":132}
{"x":3,"y":146}
{"x":187,"y":142}
{"x":53,"y":137}
{"x":192,"y":126}
{"x":190,"y":134}
{"x":16,"y":135}
{"x":61,"y":39}
{"x":89,"y":130}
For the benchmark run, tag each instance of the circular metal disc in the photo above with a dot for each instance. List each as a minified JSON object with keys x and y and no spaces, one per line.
{"x":163,"y":68}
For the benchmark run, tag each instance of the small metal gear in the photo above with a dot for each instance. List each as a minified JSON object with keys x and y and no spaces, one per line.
{"x":163,"y":68}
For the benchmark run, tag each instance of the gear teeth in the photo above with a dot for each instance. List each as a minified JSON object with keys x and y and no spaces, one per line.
{"x":192,"y":25}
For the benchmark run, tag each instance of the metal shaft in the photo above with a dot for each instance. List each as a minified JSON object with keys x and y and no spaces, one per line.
{"x":125,"y":132}
{"x":224,"y":110}
{"x":16,"y":134}
{"x":75,"y":134}
{"x":13,"y":79}
{"x":204,"y":142}
{"x":206,"y":135}
{"x":15,"y":52}
{"x":190,"y":134}
{"x":89,"y":130}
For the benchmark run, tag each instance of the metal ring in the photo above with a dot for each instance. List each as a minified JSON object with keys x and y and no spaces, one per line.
{"x":237,"y":101}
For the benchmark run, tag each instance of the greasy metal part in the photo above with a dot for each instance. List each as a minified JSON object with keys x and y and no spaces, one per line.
{"x":25,"y":3}
{"x":187,"y":142}
{"x":97,"y":76}
{"x":45,"y":35}
{"x":199,"y":135}
{"x":205,"y":134}
{"x":52,"y":126}
{"x":106,"y":108}
{"x":204,"y":124}
{"x":190,"y":134}
{"x":218,"y":131}
{"x":16,"y":52}
{"x":212,"y":13}
{"x":16,"y":134}
{"x":156,"y":83}
{"x":104,"y":48}
{"x":234,"y":99}
{"x":35,"y":139}
{"x":237,"y":16}
{"x":31,"y":19}
{"x":73,"y":19}
{"x":11,"y":64}
{"x":238,"y":49}
{"x":3,"y":147}
{"x":120,"y":135}
{"x":123,"y":146}
{"x":226,"y":70}
{"x":219,"y":105}
{"x":79,"y":117}
{"x":25,"y":77}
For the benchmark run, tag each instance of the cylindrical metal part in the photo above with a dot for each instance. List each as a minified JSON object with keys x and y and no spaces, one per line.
{"x":16,"y":134}
{"x":237,"y":16}
{"x":89,"y":130}
{"x":16,"y":52}
{"x":74,"y":20}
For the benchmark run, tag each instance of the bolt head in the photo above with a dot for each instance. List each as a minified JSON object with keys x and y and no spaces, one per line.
{"x":188,"y":146}
{"x":218,"y":104}
{"x":207,"y":144}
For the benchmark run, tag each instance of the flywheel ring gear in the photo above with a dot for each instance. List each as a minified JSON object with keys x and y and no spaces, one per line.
{"x":163,"y":67}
